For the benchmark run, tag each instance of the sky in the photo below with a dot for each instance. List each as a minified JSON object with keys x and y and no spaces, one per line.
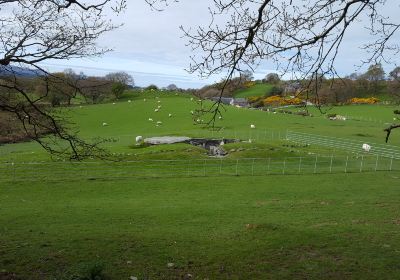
{"x":150,"y":47}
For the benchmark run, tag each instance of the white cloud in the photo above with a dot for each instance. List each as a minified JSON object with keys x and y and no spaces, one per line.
{"x":150,"y":47}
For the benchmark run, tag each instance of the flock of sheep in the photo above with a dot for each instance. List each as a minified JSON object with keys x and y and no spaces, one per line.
{"x":139,"y":139}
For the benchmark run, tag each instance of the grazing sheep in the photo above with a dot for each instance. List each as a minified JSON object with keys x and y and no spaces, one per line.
{"x":169,"y":115}
{"x":366,"y":147}
{"x":156,"y":110}
{"x":129,"y":101}
{"x":113,"y":103}
{"x":159,"y":101}
{"x":191,"y":99}
{"x":220,"y":117}
{"x":159,"y":123}
{"x":159,"y":106}
{"x":105,"y":124}
{"x":139,"y":140}
{"x":150,"y":119}
{"x":252,"y":126}
{"x":192,"y":112}
{"x":144,"y":100}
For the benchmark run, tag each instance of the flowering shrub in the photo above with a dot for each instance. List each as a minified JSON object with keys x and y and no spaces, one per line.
{"x":278,"y":100}
{"x":369,"y":100}
{"x":274,"y":100}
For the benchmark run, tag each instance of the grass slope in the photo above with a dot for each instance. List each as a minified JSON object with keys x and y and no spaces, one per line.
{"x":278,"y":227}
{"x":127,"y":120}
{"x":263,"y":227}
{"x":256,"y":90}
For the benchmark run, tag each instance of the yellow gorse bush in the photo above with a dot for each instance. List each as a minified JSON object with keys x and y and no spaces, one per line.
{"x":369,"y":100}
{"x":278,"y":100}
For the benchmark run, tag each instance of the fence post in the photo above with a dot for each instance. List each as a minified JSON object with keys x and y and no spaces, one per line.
{"x":252,"y":168}
{"x":391,"y":164}
{"x":330,"y":167}
{"x":315,"y":164}
{"x":300,"y":164}
{"x":284,"y":166}
{"x":376,"y":163}
{"x":347,"y":161}
{"x":237,"y":163}
{"x":361,"y":164}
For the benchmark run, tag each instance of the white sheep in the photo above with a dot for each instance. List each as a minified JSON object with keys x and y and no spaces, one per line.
{"x":156,"y":110}
{"x":144,"y":99}
{"x":139,"y":140}
{"x":252,"y":126}
{"x":105,"y":124}
{"x":150,"y":119}
{"x":159,"y":123}
{"x":169,"y":115}
{"x":113,"y":103}
{"x":191,"y":112}
{"x":220,"y":117}
{"x":129,"y":101}
{"x":159,"y":101}
{"x":159,"y":106}
{"x":366,"y":147}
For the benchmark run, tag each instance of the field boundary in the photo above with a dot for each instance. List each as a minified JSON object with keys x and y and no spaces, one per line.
{"x":343,"y":144}
{"x":313,"y":164}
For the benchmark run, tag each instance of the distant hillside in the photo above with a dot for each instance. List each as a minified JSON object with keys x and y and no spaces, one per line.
{"x":19,"y":71}
{"x":256,"y":90}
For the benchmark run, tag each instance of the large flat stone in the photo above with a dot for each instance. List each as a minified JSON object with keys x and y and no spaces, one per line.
{"x":166,"y":140}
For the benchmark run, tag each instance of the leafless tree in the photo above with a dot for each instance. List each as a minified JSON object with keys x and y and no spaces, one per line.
{"x":301,"y":37}
{"x":36,"y":31}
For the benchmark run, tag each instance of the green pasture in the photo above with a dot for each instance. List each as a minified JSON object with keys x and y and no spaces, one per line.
{"x":126,"y":120}
{"x":256,"y":90}
{"x":342,"y":226}
{"x":251,"y":215}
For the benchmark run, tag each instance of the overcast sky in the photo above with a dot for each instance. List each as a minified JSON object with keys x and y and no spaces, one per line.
{"x":150,"y":46}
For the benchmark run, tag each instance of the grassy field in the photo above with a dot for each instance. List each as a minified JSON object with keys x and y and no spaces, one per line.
{"x":277,"y":227}
{"x":331,"y":226}
{"x":256,"y":90}
{"x":127,"y":120}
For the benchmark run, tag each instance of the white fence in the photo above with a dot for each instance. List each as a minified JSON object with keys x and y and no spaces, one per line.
{"x":67,"y":171}
{"x":344,"y":144}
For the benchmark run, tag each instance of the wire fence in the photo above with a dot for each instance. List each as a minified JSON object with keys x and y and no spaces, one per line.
{"x":315,"y":164}
{"x":343,"y":144}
